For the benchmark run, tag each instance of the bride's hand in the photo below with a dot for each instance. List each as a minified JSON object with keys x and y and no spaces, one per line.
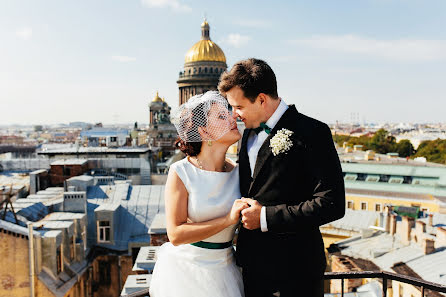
{"x":234,"y":215}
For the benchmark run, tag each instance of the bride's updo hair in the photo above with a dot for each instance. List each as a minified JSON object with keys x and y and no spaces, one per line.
{"x":196,"y":119}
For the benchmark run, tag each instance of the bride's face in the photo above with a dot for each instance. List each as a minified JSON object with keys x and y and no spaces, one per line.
{"x":222,"y":125}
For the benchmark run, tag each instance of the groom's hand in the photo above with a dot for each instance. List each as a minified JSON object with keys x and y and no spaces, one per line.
{"x":251,"y":215}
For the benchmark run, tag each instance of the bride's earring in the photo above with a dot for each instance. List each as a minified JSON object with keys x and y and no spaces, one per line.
{"x":209,"y":142}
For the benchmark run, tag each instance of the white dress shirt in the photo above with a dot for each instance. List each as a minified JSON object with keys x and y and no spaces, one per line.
{"x":255,"y":141}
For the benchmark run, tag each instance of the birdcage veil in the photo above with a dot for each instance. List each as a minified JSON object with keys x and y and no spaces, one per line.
{"x":208,"y":110}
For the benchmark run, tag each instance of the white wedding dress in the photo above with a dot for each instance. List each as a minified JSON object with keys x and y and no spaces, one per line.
{"x":190,"y":271}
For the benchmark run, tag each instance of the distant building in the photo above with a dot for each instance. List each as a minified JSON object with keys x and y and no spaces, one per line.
{"x":415,"y":248}
{"x":374,"y":180}
{"x":122,"y":163}
{"x":203,"y":65}
{"x":161,"y":133}
{"x":105,"y":137}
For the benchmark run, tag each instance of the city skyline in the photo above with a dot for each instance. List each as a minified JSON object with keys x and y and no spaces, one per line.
{"x":104,"y":61}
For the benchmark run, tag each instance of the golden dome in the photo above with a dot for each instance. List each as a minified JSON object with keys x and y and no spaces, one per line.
{"x":205,"y":49}
{"x":157,"y":98}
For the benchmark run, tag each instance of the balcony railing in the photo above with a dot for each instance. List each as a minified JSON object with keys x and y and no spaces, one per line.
{"x":386,"y":276}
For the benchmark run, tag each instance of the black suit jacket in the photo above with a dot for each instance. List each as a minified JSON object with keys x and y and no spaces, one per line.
{"x":301,"y":189}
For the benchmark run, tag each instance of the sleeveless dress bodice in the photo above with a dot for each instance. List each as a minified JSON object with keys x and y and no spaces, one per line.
{"x":211,"y":195}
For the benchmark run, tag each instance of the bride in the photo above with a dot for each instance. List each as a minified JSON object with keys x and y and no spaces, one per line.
{"x":202,"y":206}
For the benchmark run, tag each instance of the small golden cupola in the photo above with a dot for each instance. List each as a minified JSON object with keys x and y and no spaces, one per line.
{"x":157,"y":98}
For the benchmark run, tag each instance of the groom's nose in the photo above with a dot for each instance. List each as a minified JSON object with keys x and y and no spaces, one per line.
{"x":234,"y":115}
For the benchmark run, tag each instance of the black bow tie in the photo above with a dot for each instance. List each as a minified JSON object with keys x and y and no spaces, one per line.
{"x":262,"y":127}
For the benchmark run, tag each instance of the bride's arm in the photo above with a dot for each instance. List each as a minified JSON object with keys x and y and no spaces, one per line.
{"x":178,"y":229}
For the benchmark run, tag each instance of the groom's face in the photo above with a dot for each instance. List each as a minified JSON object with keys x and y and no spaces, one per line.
{"x":251,"y":113}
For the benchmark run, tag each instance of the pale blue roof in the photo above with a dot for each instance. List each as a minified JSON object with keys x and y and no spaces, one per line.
{"x":138,"y":207}
{"x":430,"y":179}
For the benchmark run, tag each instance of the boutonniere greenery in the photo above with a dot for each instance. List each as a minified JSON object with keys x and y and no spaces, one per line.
{"x":281,"y":142}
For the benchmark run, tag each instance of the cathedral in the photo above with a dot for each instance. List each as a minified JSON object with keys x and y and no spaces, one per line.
{"x":203,"y":65}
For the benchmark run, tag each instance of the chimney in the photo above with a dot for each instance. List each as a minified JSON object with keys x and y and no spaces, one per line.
{"x":393,"y":224}
{"x":430,"y":220}
{"x":406,"y":227}
{"x":440,"y":241}
{"x":386,"y":219}
{"x":428,"y":246}
{"x":420,"y":229}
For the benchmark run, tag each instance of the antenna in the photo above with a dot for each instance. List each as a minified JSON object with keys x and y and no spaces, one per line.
{"x":6,"y":199}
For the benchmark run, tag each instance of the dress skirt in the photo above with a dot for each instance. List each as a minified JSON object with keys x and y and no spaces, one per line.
{"x":191,"y":271}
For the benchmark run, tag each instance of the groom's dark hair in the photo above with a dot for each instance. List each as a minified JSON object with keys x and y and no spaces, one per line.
{"x":253,"y":76}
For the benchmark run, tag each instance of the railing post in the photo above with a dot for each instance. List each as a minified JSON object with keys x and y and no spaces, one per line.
{"x":384,"y":286}
{"x":342,"y":287}
{"x":422,"y":291}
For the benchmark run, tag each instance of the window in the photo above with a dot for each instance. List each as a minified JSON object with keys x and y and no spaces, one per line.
{"x":104,"y":231}
{"x":350,"y":204}
{"x":72,"y":247}
{"x":59,"y":260}
{"x":66,"y":171}
{"x":378,"y":206}
{"x":363,"y":205}
{"x":135,"y":252}
{"x":141,"y":280}
{"x":104,"y":273}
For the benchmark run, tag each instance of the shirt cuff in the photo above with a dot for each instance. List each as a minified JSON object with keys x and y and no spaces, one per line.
{"x":263,"y":224}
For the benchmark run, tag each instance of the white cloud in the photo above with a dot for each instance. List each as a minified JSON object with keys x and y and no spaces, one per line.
{"x":24,"y":33}
{"x":236,"y":40}
{"x":175,"y":5}
{"x":398,"y":49}
{"x":123,"y":58}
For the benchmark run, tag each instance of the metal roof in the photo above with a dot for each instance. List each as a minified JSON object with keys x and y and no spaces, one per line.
{"x":16,"y":228}
{"x":94,"y":150}
{"x":386,"y":250}
{"x":70,"y":162}
{"x":136,"y":285}
{"x":355,"y":220}
{"x":138,"y":207}
{"x":146,"y":259}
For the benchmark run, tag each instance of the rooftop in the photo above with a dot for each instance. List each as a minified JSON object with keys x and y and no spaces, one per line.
{"x":70,"y":162}
{"x":386,"y":250}
{"x":135,"y":208}
{"x":94,"y":150}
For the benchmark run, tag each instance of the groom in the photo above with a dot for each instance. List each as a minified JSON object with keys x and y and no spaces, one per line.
{"x":291,"y":173}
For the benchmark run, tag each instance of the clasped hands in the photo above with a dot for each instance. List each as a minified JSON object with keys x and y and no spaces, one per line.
{"x":249,"y":211}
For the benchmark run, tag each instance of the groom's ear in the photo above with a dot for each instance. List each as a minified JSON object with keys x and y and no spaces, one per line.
{"x":262,"y":98}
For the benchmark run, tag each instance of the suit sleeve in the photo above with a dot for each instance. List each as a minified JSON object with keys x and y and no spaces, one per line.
{"x":327,"y":201}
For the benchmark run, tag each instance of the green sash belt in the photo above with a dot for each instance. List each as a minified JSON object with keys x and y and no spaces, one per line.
{"x":212,"y":245}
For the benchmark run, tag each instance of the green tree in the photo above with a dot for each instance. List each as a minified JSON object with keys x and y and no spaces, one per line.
{"x":382,"y":142}
{"x":433,"y":150}
{"x":405,"y":148}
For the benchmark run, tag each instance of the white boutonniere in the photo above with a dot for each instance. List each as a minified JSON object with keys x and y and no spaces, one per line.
{"x":281,"y":142}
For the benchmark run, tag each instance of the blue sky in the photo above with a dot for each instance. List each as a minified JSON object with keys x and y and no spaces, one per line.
{"x":103,"y":60}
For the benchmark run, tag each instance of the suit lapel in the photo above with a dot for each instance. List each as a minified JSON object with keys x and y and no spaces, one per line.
{"x":286,"y":121}
{"x":245,"y":168}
